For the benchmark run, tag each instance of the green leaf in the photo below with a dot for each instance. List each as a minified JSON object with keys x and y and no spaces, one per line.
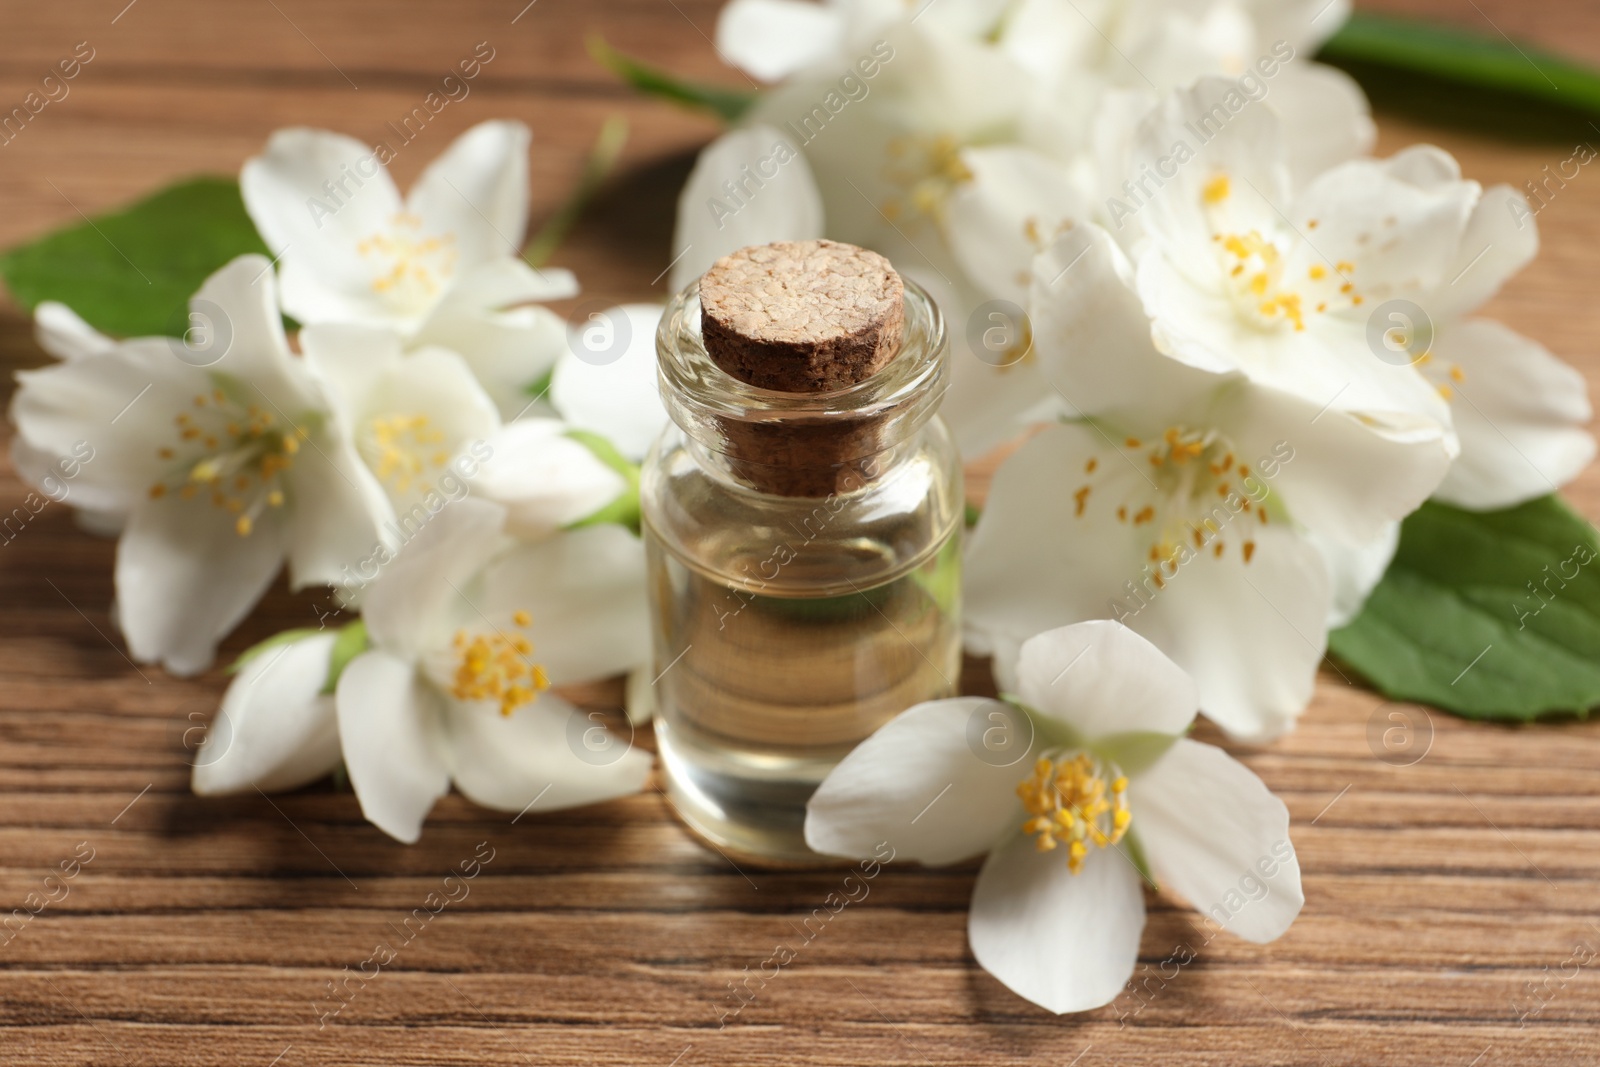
{"x":1449,"y":54}
{"x":602,"y":159}
{"x":285,"y":638}
{"x":132,"y":273}
{"x":349,"y":643}
{"x":726,"y":103}
{"x":624,"y":510}
{"x":1491,"y":615}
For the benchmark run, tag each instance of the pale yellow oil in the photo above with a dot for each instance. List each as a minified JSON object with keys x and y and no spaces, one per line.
{"x":774,"y":664}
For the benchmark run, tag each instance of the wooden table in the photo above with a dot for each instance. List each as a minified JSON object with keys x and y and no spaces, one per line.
{"x":208,"y":931}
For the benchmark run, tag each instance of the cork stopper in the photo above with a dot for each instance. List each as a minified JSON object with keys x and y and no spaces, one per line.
{"x":802,"y":316}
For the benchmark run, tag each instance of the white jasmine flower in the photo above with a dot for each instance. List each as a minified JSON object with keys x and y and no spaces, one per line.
{"x":440,"y":267}
{"x":219,"y":456}
{"x":468,"y":631}
{"x":408,"y":415}
{"x":1102,"y":782}
{"x":606,"y":380}
{"x":1519,"y":411}
{"x":465,"y":638}
{"x":1238,"y":272}
{"x":1183,"y":496}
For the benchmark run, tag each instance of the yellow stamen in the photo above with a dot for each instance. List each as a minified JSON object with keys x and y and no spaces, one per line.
{"x":497,"y":667}
{"x":1078,"y":799}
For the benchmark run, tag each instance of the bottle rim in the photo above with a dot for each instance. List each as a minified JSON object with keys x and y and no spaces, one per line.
{"x":695,"y":390}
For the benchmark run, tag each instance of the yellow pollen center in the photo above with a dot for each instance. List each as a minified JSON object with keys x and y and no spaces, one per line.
{"x":235,"y":453}
{"x":926,"y":170}
{"x":1078,"y":799}
{"x":1256,"y":276}
{"x":403,"y":449}
{"x":1186,"y":495}
{"x":409,"y":266}
{"x":497,"y":667}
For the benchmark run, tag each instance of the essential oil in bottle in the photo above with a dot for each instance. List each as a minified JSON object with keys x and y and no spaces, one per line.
{"x":802,"y":521}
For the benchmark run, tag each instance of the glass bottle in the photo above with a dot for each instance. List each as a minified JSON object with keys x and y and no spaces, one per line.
{"x":804,"y":566}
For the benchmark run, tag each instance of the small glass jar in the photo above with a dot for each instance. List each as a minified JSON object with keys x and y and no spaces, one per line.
{"x":804,"y":555}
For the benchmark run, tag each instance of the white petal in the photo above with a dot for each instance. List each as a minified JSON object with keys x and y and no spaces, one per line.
{"x":1214,"y":833}
{"x":585,"y":590}
{"x":394,"y":743}
{"x":111,"y":413}
{"x":1326,"y":119}
{"x":478,"y":191}
{"x":772,"y":39}
{"x":338,"y":512}
{"x":996,"y":381}
{"x":316,"y":229}
{"x":1257,"y":673}
{"x":1520,"y":413}
{"x":1102,"y":678}
{"x":1093,"y":336}
{"x":237,"y":308}
{"x":1065,"y":941}
{"x":1033,"y":564}
{"x":1330,"y":363}
{"x":508,"y":351}
{"x":410,"y":607}
{"x":1400,"y":236}
{"x":545,"y":479}
{"x":1500,"y":239}
{"x":616,"y":396}
{"x":1015,"y":199}
{"x":60,"y":332}
{"x":1343,"y":475}
{"x":1355,"y":570}
{"x":925,"y":784}
{"x":539,"y":755}
{"x":276,"y":729}
{"x":1248,"y":147}
{"x":185,"y":578}
{"x":349,"y":361}
{"x":774,"y":198}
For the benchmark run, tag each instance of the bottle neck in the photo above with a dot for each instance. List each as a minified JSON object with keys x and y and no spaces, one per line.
{"x":801,"y":444}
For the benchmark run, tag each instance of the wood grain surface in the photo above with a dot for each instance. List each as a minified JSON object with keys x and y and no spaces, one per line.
{"x":208,"y":931}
